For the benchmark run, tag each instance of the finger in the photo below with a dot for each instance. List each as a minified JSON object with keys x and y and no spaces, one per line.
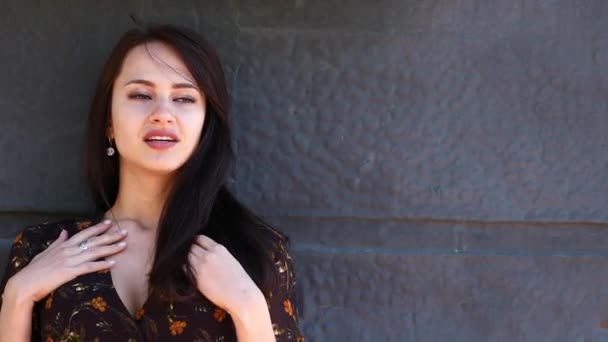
{"x":197,"y":251}
{"x":205,"y":242}
{"x":90,"y":232}
{"x":192,"y":261}
{"x":62,"y":237}
{"x":107,"y":238}
{"x":99,"y":252}
{"x":94,"y":266}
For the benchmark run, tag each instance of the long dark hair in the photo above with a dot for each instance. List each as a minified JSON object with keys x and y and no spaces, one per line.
{"x":199,"y":202}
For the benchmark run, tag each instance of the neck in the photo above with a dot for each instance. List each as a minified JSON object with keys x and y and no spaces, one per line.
{"x":141,"y":197}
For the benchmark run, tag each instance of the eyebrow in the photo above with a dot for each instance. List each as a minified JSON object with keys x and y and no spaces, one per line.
{"x":151,"y":84}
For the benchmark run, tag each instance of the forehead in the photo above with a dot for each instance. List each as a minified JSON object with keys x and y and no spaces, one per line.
{"x":154,"y":61}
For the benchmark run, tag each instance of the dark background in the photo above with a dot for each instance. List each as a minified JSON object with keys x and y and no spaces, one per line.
{"x":440,"y":165}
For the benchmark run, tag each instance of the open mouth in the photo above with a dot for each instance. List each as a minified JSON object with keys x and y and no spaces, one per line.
{"x":160,"y":143}
{"x":168,"y":139}
{"x":161,"y":138}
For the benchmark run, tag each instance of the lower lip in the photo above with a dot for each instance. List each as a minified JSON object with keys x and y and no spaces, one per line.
{"x":161,"y":145}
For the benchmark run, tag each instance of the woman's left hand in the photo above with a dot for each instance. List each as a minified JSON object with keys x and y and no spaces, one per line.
{"x":220,"y":277}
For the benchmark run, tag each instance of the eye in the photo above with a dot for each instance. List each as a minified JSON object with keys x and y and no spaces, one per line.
{"x":184,"y":100}
{"x":139,"y":97}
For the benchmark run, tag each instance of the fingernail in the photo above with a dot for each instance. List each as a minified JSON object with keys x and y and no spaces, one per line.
{"x":107,"y":221}
{"x":123,"y":232}
{"x":111,"y":261}
{"x":122,"y":244}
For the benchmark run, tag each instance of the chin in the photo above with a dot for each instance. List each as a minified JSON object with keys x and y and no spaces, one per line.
{"x":157,"y":167}
{"x":163,"y":169}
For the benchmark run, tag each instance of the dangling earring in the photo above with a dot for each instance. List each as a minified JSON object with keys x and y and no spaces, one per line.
{"x":110,"y":151}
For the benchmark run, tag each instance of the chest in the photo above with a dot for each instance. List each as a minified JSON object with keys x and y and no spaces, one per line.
{"x":89,"y":308}
{"x":129,"y":275}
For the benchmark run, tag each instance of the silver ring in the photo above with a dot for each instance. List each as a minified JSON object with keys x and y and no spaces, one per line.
{"x":84,"y":245}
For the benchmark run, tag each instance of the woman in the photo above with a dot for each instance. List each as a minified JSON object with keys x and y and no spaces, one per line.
{"x":170,"y":253}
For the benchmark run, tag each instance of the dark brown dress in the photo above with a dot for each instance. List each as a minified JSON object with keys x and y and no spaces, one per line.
{"x":88,"y":308}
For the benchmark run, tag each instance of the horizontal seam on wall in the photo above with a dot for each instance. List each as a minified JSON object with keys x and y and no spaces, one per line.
{"x":312,"y":248}
{"x":404,"y":219}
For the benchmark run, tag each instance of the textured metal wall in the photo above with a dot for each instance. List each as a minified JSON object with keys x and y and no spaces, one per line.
{"x":440,"y":165}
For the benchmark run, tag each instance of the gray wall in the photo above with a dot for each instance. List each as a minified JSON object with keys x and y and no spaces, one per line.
{"x":440,"y":165}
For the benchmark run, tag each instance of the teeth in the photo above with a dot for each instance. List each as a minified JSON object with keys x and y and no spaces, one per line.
{"x":160,"y":138}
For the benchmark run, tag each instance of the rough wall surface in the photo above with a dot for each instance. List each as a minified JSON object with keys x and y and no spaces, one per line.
{"x":439,"y":165}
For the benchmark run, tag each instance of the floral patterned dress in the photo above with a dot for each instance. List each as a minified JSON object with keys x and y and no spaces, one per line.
{"x":88,"y":308}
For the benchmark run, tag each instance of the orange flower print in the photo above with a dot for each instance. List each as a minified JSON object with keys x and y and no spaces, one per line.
{"x":288,"y":307}
{"x":99,"y":304}
{"x":139,"y":314}
{"x":49,"y":302}
{"x":219,"y":314}
{"x":83,"y":225}
{"x":177,"y":327}
{"x":18,"y":238}
{"x":49,"y":339}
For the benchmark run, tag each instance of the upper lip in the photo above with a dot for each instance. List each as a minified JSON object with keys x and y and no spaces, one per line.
{"x":160,"y":133}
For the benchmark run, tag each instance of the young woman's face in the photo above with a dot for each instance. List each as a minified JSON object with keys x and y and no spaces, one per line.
{"x":157,"y":110}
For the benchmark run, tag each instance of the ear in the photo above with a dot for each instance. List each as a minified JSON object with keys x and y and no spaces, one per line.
{"x":110,"y":131}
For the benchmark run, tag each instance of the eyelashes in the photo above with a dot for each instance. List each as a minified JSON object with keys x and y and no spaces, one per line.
{"x":142,"y":97}
{"x":139,"y":97}
{"x":184,"y":100}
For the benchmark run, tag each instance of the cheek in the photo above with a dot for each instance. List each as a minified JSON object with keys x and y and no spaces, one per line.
{"x":192,"y":124}
{"x":196,"y":130}
{"x":127,"y":117}
{"x":126,"y":130}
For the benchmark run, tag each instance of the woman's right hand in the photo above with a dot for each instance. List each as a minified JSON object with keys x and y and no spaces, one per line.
{"x":64,"y":260}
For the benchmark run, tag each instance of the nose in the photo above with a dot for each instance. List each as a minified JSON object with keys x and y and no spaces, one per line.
{"x":162,"y":113}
